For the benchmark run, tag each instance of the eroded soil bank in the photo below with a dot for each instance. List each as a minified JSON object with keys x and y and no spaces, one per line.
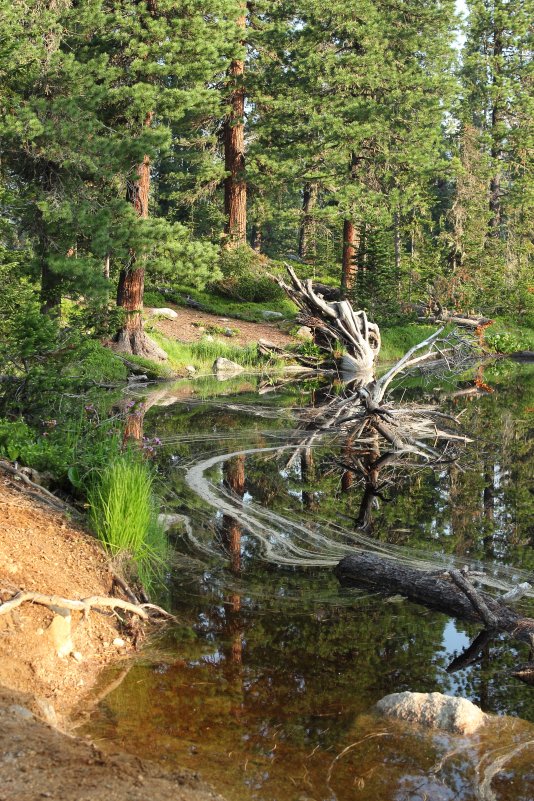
{"x":40,"y":690}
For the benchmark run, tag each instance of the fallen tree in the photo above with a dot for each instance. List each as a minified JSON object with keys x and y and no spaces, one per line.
{"x":335,"y":322}
{"x":451,"y":592}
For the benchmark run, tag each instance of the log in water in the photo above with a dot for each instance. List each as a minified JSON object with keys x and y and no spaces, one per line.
{"x":436,"y":589}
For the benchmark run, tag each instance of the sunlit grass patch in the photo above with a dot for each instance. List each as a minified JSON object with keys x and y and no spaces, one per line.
{"x":124,"y":515}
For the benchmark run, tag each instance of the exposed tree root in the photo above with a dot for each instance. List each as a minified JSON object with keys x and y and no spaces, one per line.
{"x":85,"y":605}
{"x":42,"y":494}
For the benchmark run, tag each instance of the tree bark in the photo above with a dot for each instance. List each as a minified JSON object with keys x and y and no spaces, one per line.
{"x":50,"y":290}
{"x":432,"y":589}
{"x":131,"y":338}
{"x":497,"y":121}
{"x":235,"y":185}
{"x":350,"y":255}
{"x":309,"y":200}
{"x":256,"y":237}
{"x":231,"y":531}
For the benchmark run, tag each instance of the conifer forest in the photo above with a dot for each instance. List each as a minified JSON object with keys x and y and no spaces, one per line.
{"x":266,"y":400}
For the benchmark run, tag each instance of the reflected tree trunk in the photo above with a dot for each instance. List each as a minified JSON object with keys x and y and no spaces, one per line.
{"x":307,"y":474}
{"x":231,"y":533}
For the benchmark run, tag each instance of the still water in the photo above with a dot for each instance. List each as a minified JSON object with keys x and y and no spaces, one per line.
{"x":267,"y":684}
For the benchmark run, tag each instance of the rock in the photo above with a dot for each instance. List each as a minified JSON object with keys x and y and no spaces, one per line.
{"x":271,"y":315}
{"x":433,"y":710}
{"x":170,"y":520}
{"x":20,"y":712}
{"x":305,"y":333}
{"x":43,"y":709}
{"x":168,"y":401}
{"x":133,"y":378}
{"x":170,"y":314}
{"x":59,"y":632}
{"x":118,"y":642}
{"x":154,"y":351}
{"x":76,"y":655}
{"x":190,"y":369}
{"x":228,"y":332}
{"x":222,"y":365}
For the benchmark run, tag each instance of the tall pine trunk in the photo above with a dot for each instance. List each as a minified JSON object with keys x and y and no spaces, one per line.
{"x":497,"y":122}
{"x":256,"y":237}
{"x":131,"y":338}
{"x":309,"y":200}
{"x":350,"y":256}
{"x":235,"y":185}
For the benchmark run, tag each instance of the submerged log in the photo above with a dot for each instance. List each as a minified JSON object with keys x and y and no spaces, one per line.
{"x":449,"y":592}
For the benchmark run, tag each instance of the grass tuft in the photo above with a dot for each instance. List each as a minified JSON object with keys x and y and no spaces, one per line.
{"x":124,"y":515}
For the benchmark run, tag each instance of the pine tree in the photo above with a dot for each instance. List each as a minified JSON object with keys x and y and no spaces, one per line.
{"x":496,"y":134}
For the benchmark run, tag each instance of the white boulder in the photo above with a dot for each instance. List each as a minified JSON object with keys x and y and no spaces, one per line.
{"x":433,"y":710}
{"x":222,"y":365}
{"x":170,"y":314}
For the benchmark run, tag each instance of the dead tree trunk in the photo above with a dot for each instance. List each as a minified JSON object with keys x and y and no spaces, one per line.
{"x":336,"y":322}
{"x":449,"y":592}
{"x":235,"y":185}
{"x":50,"y":290}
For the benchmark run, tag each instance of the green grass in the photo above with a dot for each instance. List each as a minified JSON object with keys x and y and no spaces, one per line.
{"x":202,"y":354}
{"x":400,"y":338}
{"x":123,"y":512}
{"x":225,"y":307}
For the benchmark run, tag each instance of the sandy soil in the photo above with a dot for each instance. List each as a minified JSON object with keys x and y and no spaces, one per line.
{"x":40,"y":550}
{"x":192,"y":325}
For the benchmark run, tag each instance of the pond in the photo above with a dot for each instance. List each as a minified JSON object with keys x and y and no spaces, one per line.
{"x":267,"y":684}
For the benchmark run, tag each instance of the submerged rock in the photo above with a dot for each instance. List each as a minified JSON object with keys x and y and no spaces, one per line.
{"x":433,"y":710}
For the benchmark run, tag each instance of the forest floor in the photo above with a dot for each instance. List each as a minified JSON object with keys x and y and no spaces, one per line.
{"x":192,"y":325}
{"x":41,"y":551}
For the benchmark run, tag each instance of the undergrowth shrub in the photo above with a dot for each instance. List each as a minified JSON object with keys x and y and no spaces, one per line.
{"x":244,"y":277}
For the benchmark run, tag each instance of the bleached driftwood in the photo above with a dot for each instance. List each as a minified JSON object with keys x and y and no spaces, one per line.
{"x":335,"y":321}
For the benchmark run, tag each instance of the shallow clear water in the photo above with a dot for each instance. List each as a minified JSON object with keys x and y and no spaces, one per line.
{"x":267,"y":684}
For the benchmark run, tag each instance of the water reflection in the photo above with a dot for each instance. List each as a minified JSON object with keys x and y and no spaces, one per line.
{"x":267,"y":686}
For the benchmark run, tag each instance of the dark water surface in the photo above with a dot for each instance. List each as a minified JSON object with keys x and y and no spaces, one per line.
{"x":267,"y":684}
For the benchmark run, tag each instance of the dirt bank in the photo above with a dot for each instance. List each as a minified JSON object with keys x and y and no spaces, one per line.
{"x":191,"y":325}
{"x":49,"y":663}
{"x":41,"y":551}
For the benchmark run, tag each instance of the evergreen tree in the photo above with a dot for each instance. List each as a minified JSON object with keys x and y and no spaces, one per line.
{"x":495,"y":141}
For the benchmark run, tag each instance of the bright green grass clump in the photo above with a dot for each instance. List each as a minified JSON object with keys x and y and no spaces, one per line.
{"x":124,"y":515}
{"x":398,"y":339}
{"x":202,"y":354}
